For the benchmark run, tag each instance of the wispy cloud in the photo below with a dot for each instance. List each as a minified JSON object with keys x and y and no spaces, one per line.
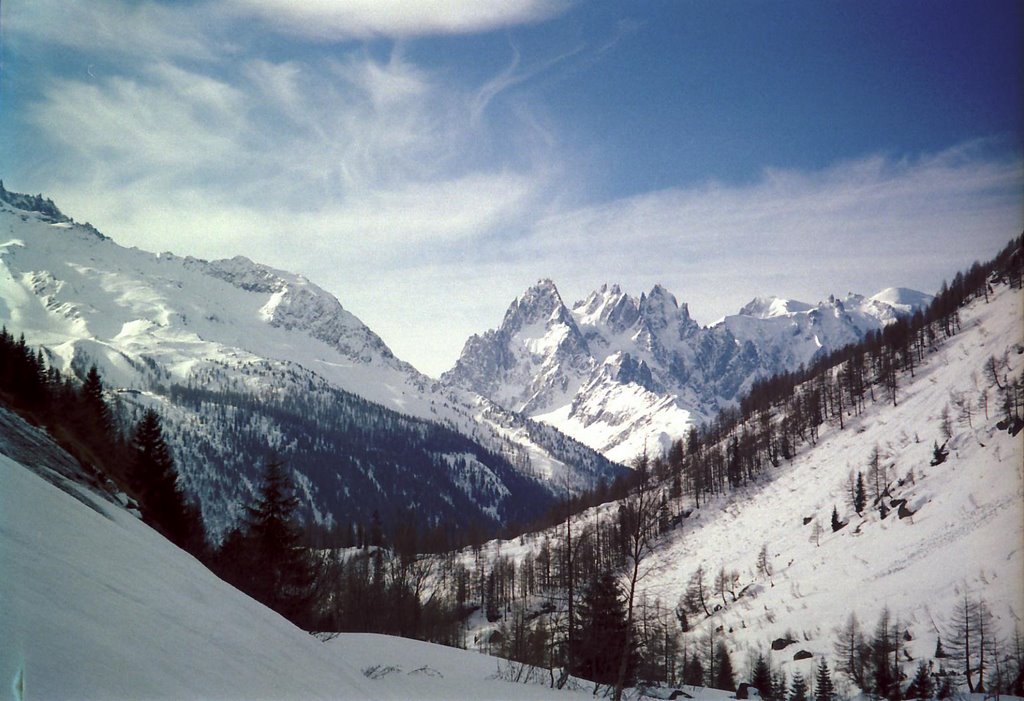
{"x":361,"y":19}
{"x":513,"y":75}
{"x":142,"y":29}
{"x":365,"y":152}
{"x":797,"y":233}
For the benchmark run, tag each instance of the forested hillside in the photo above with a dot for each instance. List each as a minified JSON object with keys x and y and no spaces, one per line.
{"x":864,"y":515}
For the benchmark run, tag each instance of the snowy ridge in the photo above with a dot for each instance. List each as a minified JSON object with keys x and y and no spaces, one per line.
{"x":621,"y":373}
{"x":161,"y":326}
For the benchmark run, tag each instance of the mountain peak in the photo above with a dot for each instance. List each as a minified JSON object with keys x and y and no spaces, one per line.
{"x":45,"y":209}
{"x":772,"y":306}
{"x":903,"y":297}
{"x":540,"y":302}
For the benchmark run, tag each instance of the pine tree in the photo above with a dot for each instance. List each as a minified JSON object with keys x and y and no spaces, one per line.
{"x":836,"y":523}
{"x":798,"y":691}
{"x":92,"y":395}
{"x":921,"y":687}
{"x":885,"y":677}
{"x":945,"y":690}
{"x":780,"y":686}
{"x":724,"y":677}
{"x":693,"y":671}
{"x":849,"y":651}
{"x":602,"y":632}
{"x":92,"y":416}
{"x":823,"y":689}
{"x":155,"y":481}
{"x":860,"y":498}
{"x":761,"y":677}
{"x":284,"y":574}
{"x":963,"y":643}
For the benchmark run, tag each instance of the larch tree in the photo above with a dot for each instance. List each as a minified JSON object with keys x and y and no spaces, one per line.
{"x":640,"y":527}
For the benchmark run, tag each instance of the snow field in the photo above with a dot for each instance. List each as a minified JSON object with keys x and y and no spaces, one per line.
{"x":96,"y":605}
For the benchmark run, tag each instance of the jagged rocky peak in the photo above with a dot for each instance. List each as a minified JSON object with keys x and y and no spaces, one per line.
{"x":608,"y":306}
{"x":45,"y":209}
{"x":623,"y":368}
{"x":539,"y":303}
{"x":244,"y":273}
{"x":659,"y":309}
{"x":32,"y":203}
{"x":296,"y":303}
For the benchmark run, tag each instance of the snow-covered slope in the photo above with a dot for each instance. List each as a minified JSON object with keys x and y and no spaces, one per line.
{"x":965,"y":532}
{"x":962,"y":528}
{"x":96,"y":605}
{"x":171,"y":331}
{"x":621,"y":373}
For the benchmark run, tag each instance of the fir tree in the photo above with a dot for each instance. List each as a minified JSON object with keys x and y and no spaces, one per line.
{"x":693,"y":671}
{"x":761,"y":677}
{"x":155,"y":482}
{"x":98,"y":413}
{"x":836,"y":523}
{"x":724,"y":677}
{"x":602,"y":626}
{"x":284,"y":574}
{"x":945,"y":690}
{"x":883,"y":648}
{"x":798,"y":691}
{"x":780,"y":686}
{"x":860,"y":497}
{"x":922,"y":686}
{"x":823,"y":688}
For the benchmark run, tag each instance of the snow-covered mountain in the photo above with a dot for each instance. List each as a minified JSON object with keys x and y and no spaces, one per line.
{"x":621,"y":373}
{"x":947,"y":531}
{"x":245,"y":361}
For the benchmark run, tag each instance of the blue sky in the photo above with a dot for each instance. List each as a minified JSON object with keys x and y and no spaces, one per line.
{"x":426,"y":162}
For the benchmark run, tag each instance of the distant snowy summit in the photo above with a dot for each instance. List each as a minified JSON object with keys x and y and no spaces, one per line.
{"x":888,"y":304}
{"x":619,"y":372}
{"x":769,"y":307}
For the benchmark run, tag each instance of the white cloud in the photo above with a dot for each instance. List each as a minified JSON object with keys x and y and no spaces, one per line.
{"x":860,"y":226}
{"x":166,"y":119}
{"x":141,"y":29}
{"x":346,"y":159}
{"x":347,"y":19}
{"x":387,"y":184}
